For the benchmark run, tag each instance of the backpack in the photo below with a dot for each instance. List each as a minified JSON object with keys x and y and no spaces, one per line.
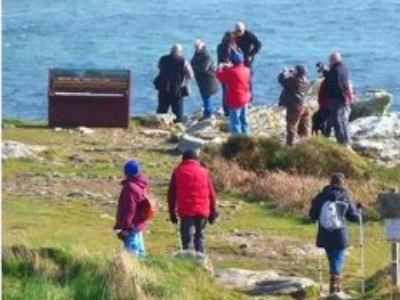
{"x":329,"y":217}
{"x":147,"y":208}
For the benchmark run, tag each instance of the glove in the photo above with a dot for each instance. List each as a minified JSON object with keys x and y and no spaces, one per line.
{"x":213,"y":216}
{"x":173,"y":219}
{"x":359,"y":206}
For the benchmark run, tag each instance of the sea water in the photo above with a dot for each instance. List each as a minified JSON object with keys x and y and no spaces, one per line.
{"x":133,"y":34}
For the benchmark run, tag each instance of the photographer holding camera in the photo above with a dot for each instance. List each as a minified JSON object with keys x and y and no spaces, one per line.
{"x":295,"y":87}
{"x":338,"y":93}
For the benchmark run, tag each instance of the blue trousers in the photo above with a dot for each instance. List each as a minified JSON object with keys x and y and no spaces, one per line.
{"x":238,"y":121}
{"x":192,"y":230}
{"x":207,"y":100}
{"x":336,"y":260}
{"x":134,"y":243}
{"x":340,"y":113}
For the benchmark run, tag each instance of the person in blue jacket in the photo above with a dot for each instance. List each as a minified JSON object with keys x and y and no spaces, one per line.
{"x":331,"y":208}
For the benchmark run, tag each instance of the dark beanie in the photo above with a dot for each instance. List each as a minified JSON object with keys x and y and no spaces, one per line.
{"x":190,"y":154}
{"x":337,"y":179}
{"x":300,"y":69}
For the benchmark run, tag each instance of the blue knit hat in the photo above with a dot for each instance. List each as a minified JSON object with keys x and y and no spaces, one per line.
{"x":132,"y":168}
{"x":236,"y":58}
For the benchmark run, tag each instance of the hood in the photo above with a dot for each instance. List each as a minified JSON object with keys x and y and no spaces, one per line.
{"x":334,"y":193}
{"x":141,"y":181}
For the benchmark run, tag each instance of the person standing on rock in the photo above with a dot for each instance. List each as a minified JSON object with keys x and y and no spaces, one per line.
{"x":224,"y":50}
{"x":339,"y":96}
{"x":295,"y":87}
{"x":191,"y":197}
{"x":130,"y":224}
{"x":250,"y":45}
{"x":204,"y":71}
{"x":331,"y":208}
{"x":172,"y":82}
{"x":236,"y":76}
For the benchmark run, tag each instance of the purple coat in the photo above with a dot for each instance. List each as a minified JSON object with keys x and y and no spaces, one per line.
{"x":132,"y":193}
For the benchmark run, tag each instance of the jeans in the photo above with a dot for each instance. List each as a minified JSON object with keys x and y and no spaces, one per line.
{"x":340,"y":113}
{"x":336,"y":260}
{"x":134,"y":243}
{"x":192,"y":229}
{"x":207,"y":105}
{"x":165,"y":100}
{"x":238,"y":121}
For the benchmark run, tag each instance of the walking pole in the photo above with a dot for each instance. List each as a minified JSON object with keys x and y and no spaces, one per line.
{"x":319,"y":266}
{"x":362,"y":248}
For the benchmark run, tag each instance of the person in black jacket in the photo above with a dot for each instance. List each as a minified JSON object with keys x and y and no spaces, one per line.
{"x":250,"y":45}
{"x":339,"y":95}
{"x":332,"y":234}
{"x":204,"y":72}
{"x":172,"y":82}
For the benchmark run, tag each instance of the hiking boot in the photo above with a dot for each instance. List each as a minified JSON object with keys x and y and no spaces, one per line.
{"x":334,"y":286}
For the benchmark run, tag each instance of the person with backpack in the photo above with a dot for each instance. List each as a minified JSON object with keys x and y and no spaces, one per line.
{"x":191,"y":197}
{"x":133,"y":209}
{"x":204,"y":72}
{"x":331,"y":208}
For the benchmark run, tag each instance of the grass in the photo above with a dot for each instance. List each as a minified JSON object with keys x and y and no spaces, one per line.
{"x":81,"y":229}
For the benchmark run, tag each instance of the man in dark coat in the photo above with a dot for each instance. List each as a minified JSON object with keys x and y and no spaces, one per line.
{"x":295,"y":87}
{"x":338,"y":94}
{"x":250,"y":45}
{"x":334,"y":238}
{"x":172,"y":82}
{"x":204,"y":72}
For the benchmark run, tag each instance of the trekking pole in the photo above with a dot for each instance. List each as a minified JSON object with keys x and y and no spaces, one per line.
{"x":362,"y":250}
{"x":319,"y":265}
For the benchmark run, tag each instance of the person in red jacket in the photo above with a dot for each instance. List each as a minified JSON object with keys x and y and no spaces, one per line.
{"x":129,"y":223}
{"x":191,"y":197}
{"x":237,"y":78}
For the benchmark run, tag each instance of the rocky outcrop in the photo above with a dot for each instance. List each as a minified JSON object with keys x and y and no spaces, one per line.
{"x":373,"y":103}
{"x":259,"y":283}
{"x":378,"y":137}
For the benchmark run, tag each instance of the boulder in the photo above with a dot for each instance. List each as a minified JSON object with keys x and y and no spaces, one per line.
{"x":202,"y":125}
{"x":373,"y":103}
{"x":84,"y":130}
{"x":157,"y":121}
{"x":187,"y":142}
{"x":14,"y":149}
{"x":260,"y":283}
{"x":199,"y":258}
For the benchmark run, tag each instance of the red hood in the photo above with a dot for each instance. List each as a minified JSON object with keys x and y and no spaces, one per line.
{"x":142,"y":181}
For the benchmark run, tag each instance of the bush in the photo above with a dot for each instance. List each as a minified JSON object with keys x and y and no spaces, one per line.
{"x":316,"y":156}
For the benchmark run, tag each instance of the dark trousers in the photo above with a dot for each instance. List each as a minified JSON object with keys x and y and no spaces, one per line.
{"x":167,"y":100}
{"x":321,"y":121}
{"x":192,"y":229}
{"x":224,"y":101}
{"x":340,"y":113}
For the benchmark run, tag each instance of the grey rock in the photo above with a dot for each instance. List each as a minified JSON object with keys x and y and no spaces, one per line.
{"x":158,"y":120}
{"x":375,"y":103}
{"x":14,"y":149}
{"x":187,"y":142}
{"x":202,"y":125}
{"x":85,"y":131}
{"x":199,"y":258}
{"x":263,"y":282}
{"x":339,"y":296}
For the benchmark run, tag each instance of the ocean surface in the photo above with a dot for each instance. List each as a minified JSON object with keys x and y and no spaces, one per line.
{"x":42,"y":34}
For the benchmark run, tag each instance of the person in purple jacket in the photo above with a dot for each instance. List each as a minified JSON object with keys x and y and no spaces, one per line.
{"x":129,"y":224}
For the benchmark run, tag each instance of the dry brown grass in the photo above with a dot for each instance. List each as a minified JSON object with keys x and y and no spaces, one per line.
{"x":288,"y":192}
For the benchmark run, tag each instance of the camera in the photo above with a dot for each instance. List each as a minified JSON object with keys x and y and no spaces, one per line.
{"x":320,"y":66}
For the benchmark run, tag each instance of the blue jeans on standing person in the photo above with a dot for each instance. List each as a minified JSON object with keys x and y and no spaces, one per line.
{"x":339,"y":113}
{"x":336,"y":260}
{"x":238,"y":120}
{"x":134,"y":243}
{"x":207,"y":100}
{"x":192,"y":231}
